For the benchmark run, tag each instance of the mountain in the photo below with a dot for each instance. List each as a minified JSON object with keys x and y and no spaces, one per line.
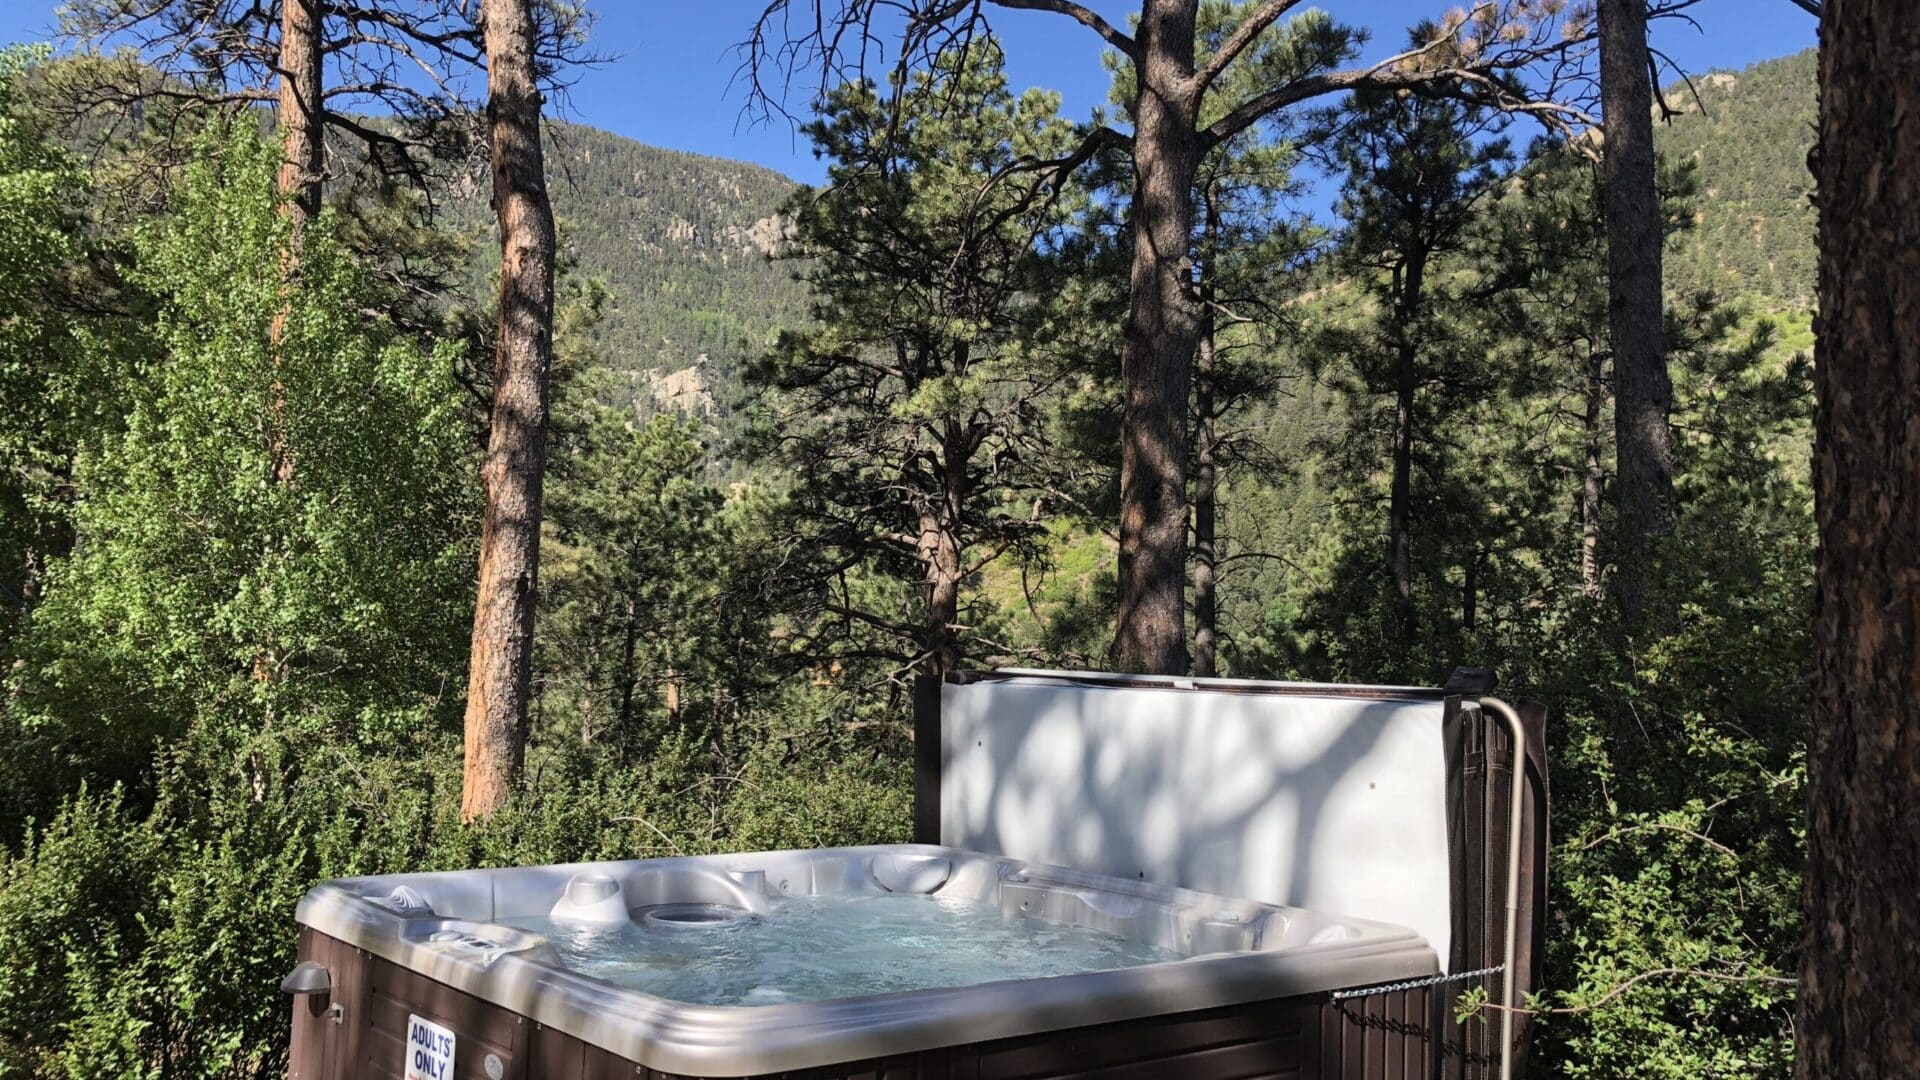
{"x":682,"y":242}
{"x":1749,"y":133}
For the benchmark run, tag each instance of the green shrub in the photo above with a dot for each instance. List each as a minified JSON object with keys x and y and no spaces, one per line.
{"x":74,"y":929}
{"x":151,"y":942}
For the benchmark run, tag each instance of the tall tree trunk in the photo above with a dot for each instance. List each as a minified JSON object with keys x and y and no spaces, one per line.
{"x":300,"y":179}
{"x":1161,"y":330}
{"x":1470,"y":590}
{"x":499,"y":683}
{"x":1400,"y":495}
{"x":943,"y":604}
{"x":1593,"y":471}
{"x":629,"y":680}
{"x":940,"y":551}
{"x":300,"y":116}
{"x":1406,"y":382}
{"x":1206,"y":446}
{"x":31,"y":569}
{"x":1643,"y":477}
{"x":1860,"y":965}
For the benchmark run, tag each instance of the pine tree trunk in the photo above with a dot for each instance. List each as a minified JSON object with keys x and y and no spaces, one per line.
{"x":1470,"y":590}
{"x":1593,"y":472}
{"x":940,"y":552}
{"x":628,"y":682}
{"x":299,"y":117}
{"x":1400,"y":496}
{"x":499,"y":683}
{"x":943,"y":607}
{"x":1161,"y":330}
{"x":1859,"y":988}
{"x":1407,"y":308}
{"x":299,"y":180}
{"x":1205,"y":482}
{"x":1643,"y":477}
{"x":31,"y":569}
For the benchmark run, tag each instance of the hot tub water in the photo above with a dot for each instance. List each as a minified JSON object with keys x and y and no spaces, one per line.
{"x":812,"y":948}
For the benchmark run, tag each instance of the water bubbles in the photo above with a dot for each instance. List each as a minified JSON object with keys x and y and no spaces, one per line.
{"x":812,"y":948}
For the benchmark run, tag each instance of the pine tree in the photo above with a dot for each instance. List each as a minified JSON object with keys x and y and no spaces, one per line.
{"x":1419,"y":172}
{"x":500,"y":669}
{"x":908,"y":423}
{"x":1860,"y":968}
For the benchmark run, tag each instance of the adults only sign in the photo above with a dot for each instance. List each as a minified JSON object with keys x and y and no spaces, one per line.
{"x":429,"y":1050}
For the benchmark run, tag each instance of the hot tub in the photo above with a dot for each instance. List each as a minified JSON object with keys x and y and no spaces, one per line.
{"x":689,"y":967}
{"x":1267,"y":879}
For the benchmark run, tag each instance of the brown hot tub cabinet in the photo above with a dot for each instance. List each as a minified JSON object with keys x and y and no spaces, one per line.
{"x":1325,"y":866}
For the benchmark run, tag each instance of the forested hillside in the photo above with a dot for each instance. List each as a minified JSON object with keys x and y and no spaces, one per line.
{"x":682,"y":243}
{"x":1749,"y":133}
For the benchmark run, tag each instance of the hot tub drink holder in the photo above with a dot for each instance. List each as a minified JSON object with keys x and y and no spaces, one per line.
{"x":1329,"y":863}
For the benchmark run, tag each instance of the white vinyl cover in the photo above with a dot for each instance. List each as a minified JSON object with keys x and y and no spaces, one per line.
{"x":1334,"y":804}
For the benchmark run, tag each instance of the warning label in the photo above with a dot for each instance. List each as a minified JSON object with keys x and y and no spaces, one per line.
{"x":429,"y":1050}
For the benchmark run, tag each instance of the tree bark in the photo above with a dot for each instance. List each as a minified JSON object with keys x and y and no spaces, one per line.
{"x":1593,"y":472}
{"x":301,"y":116}
{"x":1860,"y":965}
{"x":940,"y":551}
{"x":499,"y":683}
{"x":1643,"y":476}
{"x":1206,"y":447}
{"x":629,"y":680}
{"x":1412,"y":277}
{"x":1470,"y":590}
{"x":1400,"y":494}
{"x":942,"y":648}
{"x":1161,"y":330}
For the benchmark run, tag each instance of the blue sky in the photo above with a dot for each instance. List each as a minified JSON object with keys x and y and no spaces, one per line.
{"x":669,"y":82}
